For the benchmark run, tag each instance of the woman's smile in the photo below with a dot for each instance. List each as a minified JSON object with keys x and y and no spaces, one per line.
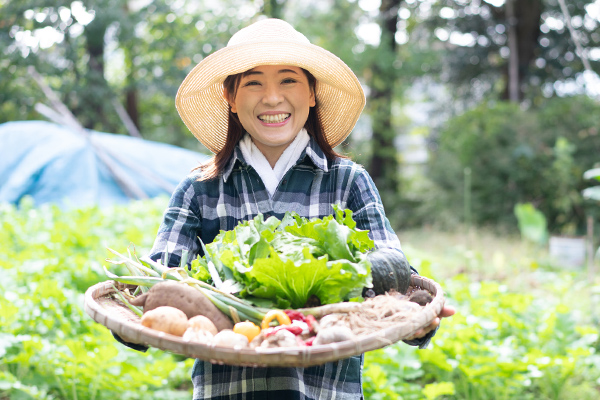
{"x":277,"y":119}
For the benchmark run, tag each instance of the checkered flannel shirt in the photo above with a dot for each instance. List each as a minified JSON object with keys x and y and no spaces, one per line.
{"x":310,"y":187}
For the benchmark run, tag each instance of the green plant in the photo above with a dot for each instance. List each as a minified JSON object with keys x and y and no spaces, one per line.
{"x":532,"y":223}
{"x":518,"y":156}
{"x":49,"y":348}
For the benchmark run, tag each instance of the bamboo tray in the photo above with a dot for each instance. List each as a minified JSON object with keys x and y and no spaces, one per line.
{"x":104,"y":309}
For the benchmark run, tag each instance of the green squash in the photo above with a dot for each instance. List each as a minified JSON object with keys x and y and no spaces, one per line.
{"x":390,"y":270}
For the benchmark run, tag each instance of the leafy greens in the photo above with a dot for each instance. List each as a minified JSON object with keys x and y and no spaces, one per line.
{"x":282,"y":263}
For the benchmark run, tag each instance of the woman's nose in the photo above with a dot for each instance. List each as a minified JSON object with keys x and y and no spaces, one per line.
{"x":272,"y":96}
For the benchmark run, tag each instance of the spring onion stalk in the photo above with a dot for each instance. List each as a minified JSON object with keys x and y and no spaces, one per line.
{"x":124,"y":300}
{"x":236,"y":316}
{"x":134,"y":280}
{"x":152,"y":273}
{"x":135,"y":268}
{"x":156,"y":266}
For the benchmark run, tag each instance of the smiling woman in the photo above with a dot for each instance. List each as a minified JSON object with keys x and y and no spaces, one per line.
{"x":272,"y":107}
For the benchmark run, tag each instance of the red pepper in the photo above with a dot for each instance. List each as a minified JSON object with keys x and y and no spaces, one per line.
{"x":309,"y":342}
{"x":295,"y":329}
{"x":295,"y":315}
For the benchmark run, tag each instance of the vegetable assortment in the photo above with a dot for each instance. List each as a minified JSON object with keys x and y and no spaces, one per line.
{"x":249,"y":288}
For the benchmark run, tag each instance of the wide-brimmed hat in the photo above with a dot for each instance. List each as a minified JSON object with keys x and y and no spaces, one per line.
{"x":200,"y":101}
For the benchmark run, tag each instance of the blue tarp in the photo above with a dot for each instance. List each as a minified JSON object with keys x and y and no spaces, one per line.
{"x":57,"y":164}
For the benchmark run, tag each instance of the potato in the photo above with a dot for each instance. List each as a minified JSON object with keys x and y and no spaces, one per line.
{"x":185,"y":298}
{"x":228,"y":338}
{"x":166,"y":319}
{"x":202,"y":323}
{"x":197,"y":335}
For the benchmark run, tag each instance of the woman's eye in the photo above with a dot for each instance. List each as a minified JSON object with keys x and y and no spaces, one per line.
{"x":251,"y":83}
{"x":289,"y":80}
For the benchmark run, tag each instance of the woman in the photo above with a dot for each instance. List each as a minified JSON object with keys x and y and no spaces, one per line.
{"x":272,"y":107}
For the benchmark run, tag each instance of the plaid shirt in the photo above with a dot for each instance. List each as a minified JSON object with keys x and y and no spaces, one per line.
{"x":310,"y":187}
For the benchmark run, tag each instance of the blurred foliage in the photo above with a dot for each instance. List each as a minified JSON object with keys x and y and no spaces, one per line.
{"x":546,"y":53}
{"x":518,"y":156}
{"x":51,"y":349}
{"x":144,"y":52}
{"x":448,"y":55}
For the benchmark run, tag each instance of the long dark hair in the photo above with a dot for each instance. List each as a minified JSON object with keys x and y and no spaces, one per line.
{"x":235,"y":131}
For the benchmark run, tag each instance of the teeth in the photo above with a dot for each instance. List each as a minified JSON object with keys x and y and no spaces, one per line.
{"x":273,"y":119}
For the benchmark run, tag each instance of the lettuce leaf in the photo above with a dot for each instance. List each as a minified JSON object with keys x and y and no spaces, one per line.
{"x":288,"y":261}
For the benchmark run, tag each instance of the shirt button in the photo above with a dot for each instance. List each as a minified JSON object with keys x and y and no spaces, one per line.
{"x":284,"y":181}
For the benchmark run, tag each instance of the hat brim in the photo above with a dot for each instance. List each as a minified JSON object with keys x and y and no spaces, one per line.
{"x":203,"y":109}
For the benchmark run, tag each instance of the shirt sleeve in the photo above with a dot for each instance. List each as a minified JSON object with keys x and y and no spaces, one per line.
{"x":180,"y":226}
{"x":365,"y":203}
{"x":368,"y":212}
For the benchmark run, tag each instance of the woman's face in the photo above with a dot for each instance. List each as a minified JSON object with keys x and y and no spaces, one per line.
{"x":272,"y":103}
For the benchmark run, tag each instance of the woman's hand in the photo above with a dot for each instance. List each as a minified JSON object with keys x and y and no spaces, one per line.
{"x":446,"y":312}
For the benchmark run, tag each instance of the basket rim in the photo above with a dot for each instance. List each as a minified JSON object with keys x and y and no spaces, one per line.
{"x":134,"y":332}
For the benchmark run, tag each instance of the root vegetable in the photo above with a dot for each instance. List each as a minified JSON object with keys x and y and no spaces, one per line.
{"x":184,"y":298}
{"x":229,"y":338}
{"x":331,"y":320}
{"x":421,"y":297}
{"x":166,"y":319}
{"x":337,"y":333}
{"x":200,"y":322}
{"x":281,"y":338}
{"x":197,"y":335}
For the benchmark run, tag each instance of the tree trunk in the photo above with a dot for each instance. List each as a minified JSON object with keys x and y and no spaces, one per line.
{"x":273,"y":8}
{"x":96,"y":96}
{"x":523,"y":20}
{"x":384,"y":165}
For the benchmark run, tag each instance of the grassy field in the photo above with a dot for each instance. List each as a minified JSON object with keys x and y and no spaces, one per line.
{"x":525,"y":327}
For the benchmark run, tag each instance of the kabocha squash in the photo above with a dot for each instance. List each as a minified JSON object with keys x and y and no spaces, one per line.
{"x":390,"y":270}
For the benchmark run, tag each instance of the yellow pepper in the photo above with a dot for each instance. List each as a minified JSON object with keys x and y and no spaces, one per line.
{"x":281,"y":317}
{"x":247,"y":328}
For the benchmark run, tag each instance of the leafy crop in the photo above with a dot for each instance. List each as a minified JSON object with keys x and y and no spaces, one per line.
{"x":524,"y":328}
{"x":51,"y":349}
{"x":505,"y":342}
{"x":290,"y":260}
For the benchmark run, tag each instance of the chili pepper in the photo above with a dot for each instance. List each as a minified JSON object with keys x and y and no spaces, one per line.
{"x":281,"y":317}
{"x":296,"y":330}
{"x":295,"y":315}
{"x":309,"y":342}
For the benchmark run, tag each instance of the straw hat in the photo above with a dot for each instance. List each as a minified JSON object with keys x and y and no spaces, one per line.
{"x":200,"y":102}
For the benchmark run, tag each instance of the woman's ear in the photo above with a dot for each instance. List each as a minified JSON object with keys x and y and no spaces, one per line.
{"x":311,"y":100}
{"x":229,"y":100}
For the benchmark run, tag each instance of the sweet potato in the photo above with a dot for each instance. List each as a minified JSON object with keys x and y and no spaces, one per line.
{"x":186,"y":299}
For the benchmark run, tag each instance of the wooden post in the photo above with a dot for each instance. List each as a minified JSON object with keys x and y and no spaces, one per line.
{"x":590,"y":250}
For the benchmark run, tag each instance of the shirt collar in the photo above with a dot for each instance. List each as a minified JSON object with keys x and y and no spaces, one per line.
{"x":312,"y":151}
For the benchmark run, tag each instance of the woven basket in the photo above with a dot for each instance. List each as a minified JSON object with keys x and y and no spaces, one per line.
{"x":117,"y":317}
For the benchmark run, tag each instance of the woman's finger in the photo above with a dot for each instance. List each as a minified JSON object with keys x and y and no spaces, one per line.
{"x":447,"y":311}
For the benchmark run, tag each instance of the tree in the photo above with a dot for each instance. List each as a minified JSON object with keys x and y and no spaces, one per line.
{"x":479,"y":35}
{"x":384,"y":165}
{"x":95,"y":51}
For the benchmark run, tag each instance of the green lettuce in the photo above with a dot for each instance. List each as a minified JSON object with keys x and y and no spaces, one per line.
{"x":283,"y":263}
